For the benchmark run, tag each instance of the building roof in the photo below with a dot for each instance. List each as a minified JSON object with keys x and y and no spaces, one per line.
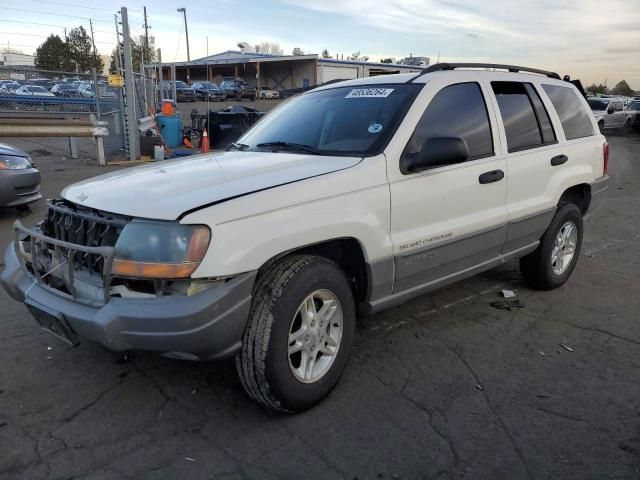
{"x":411,"y":68}
{"x":236,"y":56}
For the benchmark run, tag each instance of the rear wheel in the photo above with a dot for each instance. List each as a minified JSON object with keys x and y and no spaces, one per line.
{"x":552,"y":263}
{"x":299,"y":334}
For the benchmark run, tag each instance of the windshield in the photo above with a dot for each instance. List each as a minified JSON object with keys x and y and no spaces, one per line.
{"x":352,"y":120}
{"x":36,"y":89}
{"x":598,"y":104}
{"x":180,"y":84}
{"x":227,"y":83}
{"x":210,"y":86}
{"x":633,"y":106}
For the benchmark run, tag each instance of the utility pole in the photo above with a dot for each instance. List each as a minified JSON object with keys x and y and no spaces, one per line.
{"x":146,"y":37}
{"x":129,"y":83}
{"x":65,"y":34}
{"x":93,"y":42}
{"x":186,"y":30}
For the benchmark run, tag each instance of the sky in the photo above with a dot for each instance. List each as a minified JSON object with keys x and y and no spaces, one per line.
{"x":593,"y":40}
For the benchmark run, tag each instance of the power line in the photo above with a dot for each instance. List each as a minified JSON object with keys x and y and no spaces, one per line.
{"x":55,"y":14}
{"x":46,"y":25}
{"x":73,"y":5}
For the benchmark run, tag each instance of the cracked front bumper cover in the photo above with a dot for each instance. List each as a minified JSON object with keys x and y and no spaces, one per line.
{"x":205,"y":326}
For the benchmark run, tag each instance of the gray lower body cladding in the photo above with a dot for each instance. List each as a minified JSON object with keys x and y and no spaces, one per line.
{"x":599,"y":190}
{"x":208,"y":325}
{"x":428,"y":269}
{"x":19,"y":187}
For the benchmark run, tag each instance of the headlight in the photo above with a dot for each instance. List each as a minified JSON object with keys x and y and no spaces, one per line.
{"x":9,"y":162}
{"x":160,"y":250}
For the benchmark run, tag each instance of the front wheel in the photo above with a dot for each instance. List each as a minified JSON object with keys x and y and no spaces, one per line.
{"x":301,"y":326}
{"x":552,"y":263}
{"x":601,"y":127}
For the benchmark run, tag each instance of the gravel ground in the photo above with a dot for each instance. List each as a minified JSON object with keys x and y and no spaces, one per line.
{"x":442,"y":387}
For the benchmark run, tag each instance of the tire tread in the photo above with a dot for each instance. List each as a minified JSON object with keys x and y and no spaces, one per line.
{"x":251,"y":361}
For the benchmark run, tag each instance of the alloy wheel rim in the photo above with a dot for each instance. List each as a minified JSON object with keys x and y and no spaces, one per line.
{"x":314,"y":336}
{"x":564,"y":248}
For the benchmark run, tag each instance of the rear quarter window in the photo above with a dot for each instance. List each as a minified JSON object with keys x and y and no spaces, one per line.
{"x":574,"y":117}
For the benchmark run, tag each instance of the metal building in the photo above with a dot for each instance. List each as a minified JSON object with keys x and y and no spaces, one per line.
{"x":278,"y":72}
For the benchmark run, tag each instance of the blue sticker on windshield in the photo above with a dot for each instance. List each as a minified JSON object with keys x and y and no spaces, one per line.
{"x":375,"y":128}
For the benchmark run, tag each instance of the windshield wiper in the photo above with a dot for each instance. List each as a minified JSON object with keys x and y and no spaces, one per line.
{"x":238,"y":146}
{"x":281,"y":145}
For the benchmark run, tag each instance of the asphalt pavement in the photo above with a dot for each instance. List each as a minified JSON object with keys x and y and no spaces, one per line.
{"x":443,"y":387}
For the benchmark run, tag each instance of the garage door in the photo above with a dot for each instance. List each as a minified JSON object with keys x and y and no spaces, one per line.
{"x":327,"y":73}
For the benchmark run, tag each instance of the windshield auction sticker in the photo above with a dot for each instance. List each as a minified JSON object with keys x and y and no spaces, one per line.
{"x":369,"y":93}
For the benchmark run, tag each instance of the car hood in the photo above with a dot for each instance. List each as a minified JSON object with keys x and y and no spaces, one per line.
{"x":9,"y":150}
{"x":168,"y":189}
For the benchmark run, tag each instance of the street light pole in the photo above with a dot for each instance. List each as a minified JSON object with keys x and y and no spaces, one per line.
{"x":186,"y":30}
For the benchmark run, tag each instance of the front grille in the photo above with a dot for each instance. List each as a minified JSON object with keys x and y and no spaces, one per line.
{"x":71,"y":251}
{"x":74,"y":224}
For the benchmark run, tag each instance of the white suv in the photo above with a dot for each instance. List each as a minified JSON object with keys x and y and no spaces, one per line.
{"x":353,"y":197}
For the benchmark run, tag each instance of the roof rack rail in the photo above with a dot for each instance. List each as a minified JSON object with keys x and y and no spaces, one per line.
{"x":438,"y":67}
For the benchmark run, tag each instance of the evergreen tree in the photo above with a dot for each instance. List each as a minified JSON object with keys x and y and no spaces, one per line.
{"x":53,"y":54}
{"x":81,"y":50}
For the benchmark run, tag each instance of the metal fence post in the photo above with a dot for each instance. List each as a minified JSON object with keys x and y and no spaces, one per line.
{"x":132,"y":119}
{"x":160,"y":81}
{"x":97,"y":97}
{"x":73,"y":147}
{"x":173,"y":83}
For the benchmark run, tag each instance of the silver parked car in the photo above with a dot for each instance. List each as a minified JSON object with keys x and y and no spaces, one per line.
{"x":19,"y":180}
{"x":608,"y":112}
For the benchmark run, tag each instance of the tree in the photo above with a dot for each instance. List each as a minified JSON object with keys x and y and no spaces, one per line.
{"x":81,"y":50}
{"x":599,"y":89}
{"x":53,"y":54}
{"x":355,"y":55}
{"x":622,"y":88}
{"x":325,"y":54}
{"x":137,"y":50}
{"x":386,"y":60}
{"x":272,"y":48}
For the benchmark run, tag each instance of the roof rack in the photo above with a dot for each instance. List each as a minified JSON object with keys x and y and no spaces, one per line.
{"x":438,"y":67}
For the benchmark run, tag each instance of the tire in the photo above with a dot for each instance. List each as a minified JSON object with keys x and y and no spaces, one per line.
{"x":265,"y":364}
{"x":539,"y":270}
{"x":627,"y":126}
{"x":601,"y":127}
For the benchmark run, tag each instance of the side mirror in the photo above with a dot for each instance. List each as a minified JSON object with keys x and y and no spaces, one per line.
{"x":610,"y":110}
{"x":436,"y":152}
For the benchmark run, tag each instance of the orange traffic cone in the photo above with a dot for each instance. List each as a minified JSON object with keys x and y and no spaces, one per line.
{"x":204,"y":143}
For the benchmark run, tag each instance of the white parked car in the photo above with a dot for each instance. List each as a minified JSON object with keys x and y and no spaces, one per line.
{"x":609,"y":113}
{"x":267,"y":92}
{"x":345,"y":200}
{"x":34,"y":90}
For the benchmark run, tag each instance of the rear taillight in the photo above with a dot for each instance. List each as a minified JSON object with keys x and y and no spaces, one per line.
{"x":605,"y":157}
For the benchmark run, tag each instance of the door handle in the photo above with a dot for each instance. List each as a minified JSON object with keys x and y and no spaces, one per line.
{"x":490,"y":177}
{"x":559,"y":160}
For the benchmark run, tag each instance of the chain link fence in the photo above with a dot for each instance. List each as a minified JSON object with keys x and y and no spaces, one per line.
{"x":27,"y":93}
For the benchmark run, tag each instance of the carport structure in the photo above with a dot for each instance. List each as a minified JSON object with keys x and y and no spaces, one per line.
{"x":259,"y":70}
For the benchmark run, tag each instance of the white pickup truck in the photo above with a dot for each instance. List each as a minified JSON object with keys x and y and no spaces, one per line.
{"x":345,"y":200}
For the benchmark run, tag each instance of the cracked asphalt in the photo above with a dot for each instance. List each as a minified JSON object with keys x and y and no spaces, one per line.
{"x":443,"y":387}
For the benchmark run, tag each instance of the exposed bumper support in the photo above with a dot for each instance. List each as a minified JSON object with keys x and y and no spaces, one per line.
{"x":204,"y":326}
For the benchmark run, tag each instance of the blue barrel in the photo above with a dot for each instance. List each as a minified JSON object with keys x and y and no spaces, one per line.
{"x":170,"y":129}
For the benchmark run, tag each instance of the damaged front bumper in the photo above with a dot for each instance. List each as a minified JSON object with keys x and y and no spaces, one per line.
{"x":204,"y":326}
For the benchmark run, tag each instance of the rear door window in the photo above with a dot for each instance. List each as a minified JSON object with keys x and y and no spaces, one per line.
{"x":525,"y":120}
{"x":575,"y":119}
{"x":456,"y":111}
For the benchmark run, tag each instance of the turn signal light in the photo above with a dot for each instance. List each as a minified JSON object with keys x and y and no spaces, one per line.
{"x":605,"y":157}
{"x":128,"y":268}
